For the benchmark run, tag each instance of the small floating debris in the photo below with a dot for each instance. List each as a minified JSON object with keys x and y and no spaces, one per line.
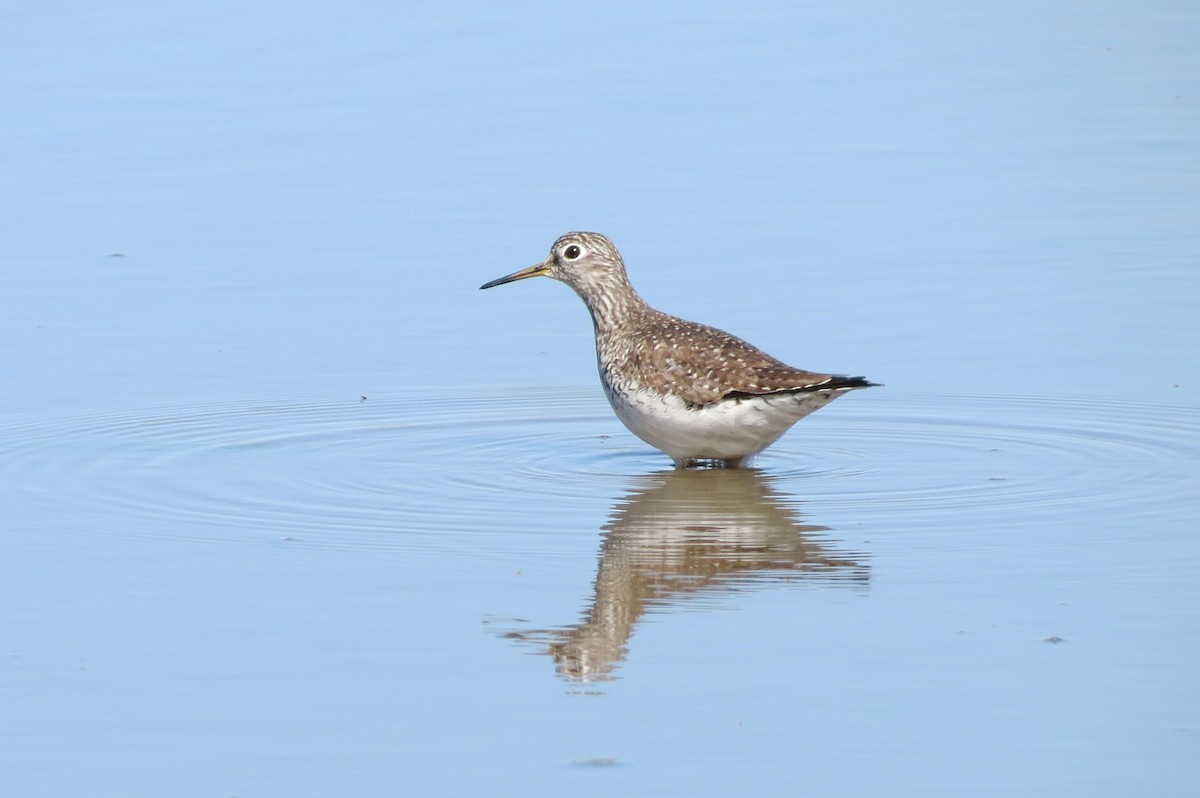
{"x":596,"y":762}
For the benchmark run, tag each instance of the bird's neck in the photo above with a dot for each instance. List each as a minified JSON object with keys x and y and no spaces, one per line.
{"x":612,"y":302}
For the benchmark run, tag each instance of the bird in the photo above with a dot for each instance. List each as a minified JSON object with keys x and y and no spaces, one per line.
{"x":704,"y":397}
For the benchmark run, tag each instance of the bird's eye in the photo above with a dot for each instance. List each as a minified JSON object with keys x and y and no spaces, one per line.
{"x":572,"y":252}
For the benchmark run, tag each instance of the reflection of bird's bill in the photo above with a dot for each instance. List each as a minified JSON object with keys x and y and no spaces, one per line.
{"x":533,"y":271}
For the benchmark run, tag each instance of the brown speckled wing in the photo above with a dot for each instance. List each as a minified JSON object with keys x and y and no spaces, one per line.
{"x":703,"y":365}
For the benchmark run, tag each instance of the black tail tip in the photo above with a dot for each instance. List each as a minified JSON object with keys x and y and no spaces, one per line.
{"x":854,"y":382}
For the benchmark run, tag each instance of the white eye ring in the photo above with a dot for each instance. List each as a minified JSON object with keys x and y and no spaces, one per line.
{"x":572,"y":251}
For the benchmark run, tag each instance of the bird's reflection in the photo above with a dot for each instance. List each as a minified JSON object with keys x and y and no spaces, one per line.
{"x":678,"y":536}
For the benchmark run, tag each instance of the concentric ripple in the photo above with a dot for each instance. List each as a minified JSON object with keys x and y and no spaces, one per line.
{"x":431,"y":463}
{"x":1017,"y":456}
{"x":416,"y":465}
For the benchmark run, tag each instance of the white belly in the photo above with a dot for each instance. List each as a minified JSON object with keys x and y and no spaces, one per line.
{"x":732,"y":430}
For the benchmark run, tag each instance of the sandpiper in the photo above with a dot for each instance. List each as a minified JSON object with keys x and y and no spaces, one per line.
{"x":699,"y":394}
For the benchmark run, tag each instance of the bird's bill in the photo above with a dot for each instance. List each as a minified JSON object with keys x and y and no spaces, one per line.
{"x":532,"y":271}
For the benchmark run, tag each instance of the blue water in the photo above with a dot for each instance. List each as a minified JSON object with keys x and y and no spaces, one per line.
{"x":287,"y":506}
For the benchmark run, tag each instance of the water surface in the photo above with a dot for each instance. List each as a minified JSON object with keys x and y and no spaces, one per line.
{"x":289,"y":507}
